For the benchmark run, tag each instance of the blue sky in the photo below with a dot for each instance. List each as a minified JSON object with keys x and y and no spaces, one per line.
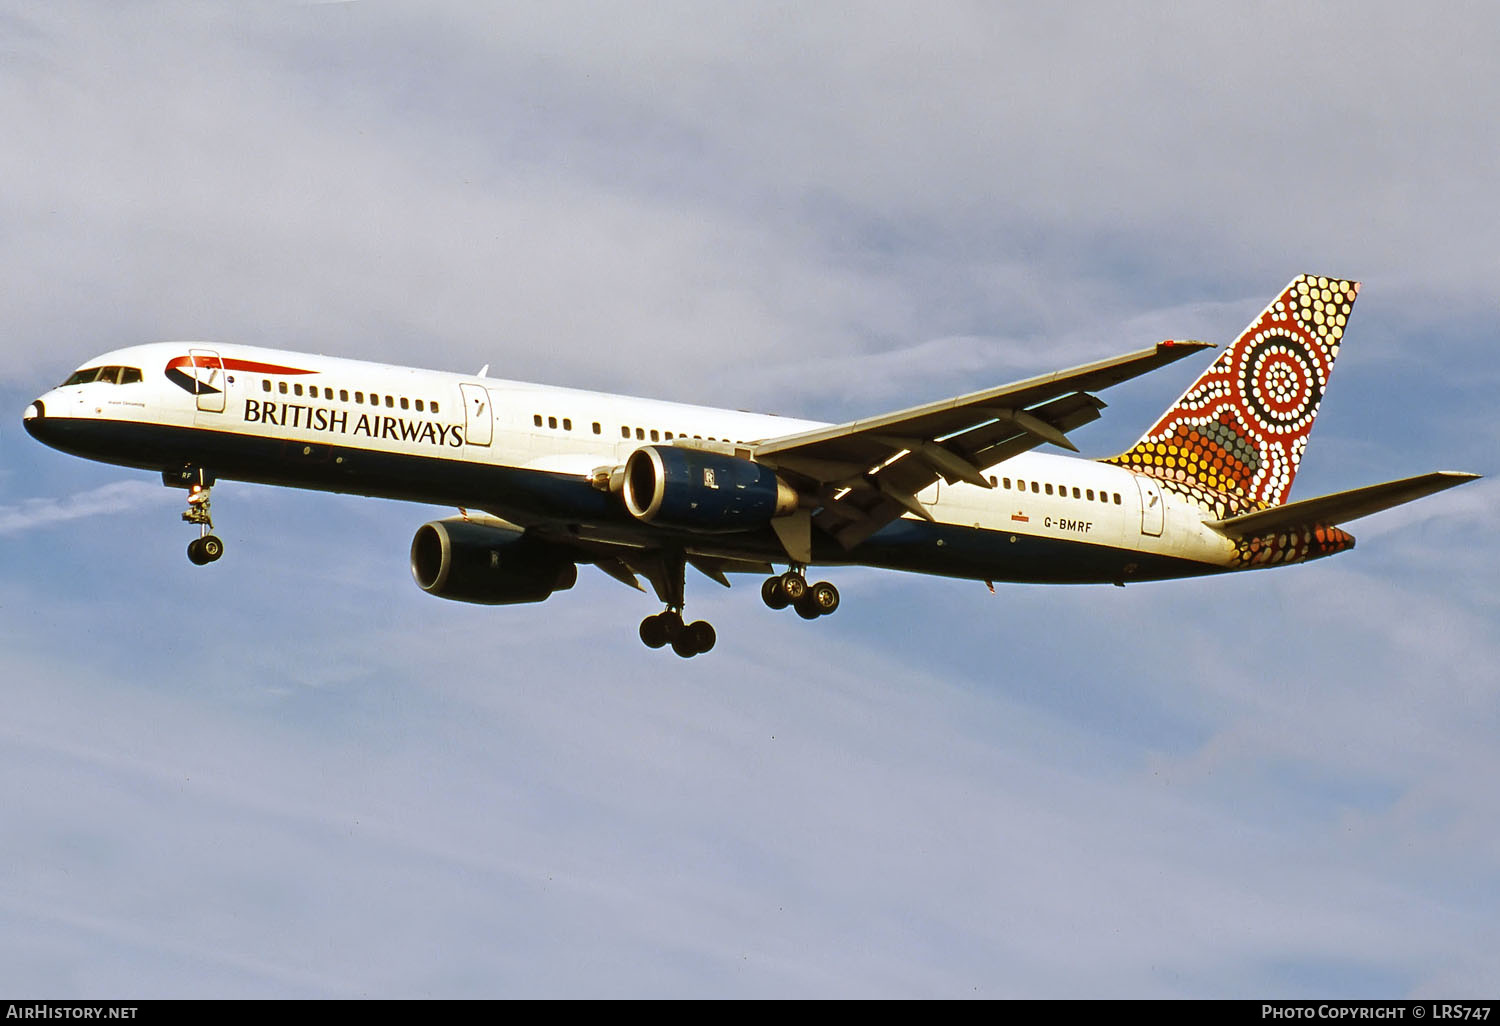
{"x":294,"y":774}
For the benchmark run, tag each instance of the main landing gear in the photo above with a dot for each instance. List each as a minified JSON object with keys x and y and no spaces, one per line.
{"x":791,"y":589}
{"x":686,"y":639}
{"x":206,"y":548}
{"x":668,"y":627}
{"x":689,"y":639}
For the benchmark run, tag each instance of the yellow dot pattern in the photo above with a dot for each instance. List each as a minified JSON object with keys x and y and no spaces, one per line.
{"x":1233,"y":442}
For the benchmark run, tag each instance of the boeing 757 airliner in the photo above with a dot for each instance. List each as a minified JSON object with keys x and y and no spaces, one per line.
{"x":547,"y":478}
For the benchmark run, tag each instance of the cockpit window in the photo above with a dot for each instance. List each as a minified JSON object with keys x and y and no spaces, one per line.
{"x":108,"y":375}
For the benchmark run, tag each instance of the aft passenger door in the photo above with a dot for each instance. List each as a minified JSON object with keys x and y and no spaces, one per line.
{"x":479,"y":419}
{"x":1152,"y":515}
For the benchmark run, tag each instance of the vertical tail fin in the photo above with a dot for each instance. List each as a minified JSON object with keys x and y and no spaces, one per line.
{"x":1234,"y":440}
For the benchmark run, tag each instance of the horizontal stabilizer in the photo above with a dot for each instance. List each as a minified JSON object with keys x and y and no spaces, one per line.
{"x":1340,"y":507}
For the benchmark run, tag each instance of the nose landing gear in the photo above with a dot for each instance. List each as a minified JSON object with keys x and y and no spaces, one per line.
{"x":206,"y":548}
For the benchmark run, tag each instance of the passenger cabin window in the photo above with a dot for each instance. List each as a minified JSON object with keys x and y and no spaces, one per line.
{"x":405,"y":404}
{"x":265,"y":384}
{"x":434,"y":406}
{"x":419,"y":406}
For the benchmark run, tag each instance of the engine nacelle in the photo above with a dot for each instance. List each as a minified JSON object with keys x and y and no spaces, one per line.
{"x":698,"y":490}
{"x":494,"y":566}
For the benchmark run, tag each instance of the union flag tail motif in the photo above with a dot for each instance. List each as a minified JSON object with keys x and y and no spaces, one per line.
{"x":1233,"y":441}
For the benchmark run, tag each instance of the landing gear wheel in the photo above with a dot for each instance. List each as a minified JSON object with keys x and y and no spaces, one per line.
{"x":703,"y":634}
{"x":211,"y":547}
{"x":793,"y":586}
{"x":807,"y":606}
{"x":825,"y":597}
{"x":667,"y":628}
{"x":195,"y":552}
{"x":773,"y":595}
{"x":694,"y":639}
{"x":660,"y":629}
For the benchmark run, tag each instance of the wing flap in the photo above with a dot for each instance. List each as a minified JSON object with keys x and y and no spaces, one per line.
{"x":869,"y":472}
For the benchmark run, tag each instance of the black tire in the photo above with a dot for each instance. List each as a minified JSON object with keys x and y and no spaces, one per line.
{"x":825,"y":596}
{"x":195,"y":552}
{"x":807,"y":607}
{"x":683,"y":645}
{"x":793,"y":586}
{"x":211,"y":547}
{"x":653,"y":632}
{"x":772,"y":594}
{"x":702,"y":635}
{"x":671,"y":623}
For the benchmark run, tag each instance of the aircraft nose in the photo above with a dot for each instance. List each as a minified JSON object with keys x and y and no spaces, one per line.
{"x":33,"y":417}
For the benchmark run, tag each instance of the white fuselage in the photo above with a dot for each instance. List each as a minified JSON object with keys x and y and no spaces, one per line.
{"x":324,"y":422}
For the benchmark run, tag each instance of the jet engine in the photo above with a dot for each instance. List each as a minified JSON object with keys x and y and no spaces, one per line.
{"x":696,"y":490}
{"x":494,"y":566}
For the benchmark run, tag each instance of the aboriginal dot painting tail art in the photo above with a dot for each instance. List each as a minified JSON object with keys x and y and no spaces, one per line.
{"x":1233,"y":441}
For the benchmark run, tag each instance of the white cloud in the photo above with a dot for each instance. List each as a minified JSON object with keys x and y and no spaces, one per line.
{"x":291,"y":773}
{"x":114,"y":498}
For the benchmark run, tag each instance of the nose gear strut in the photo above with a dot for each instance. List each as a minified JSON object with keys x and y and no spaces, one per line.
{"x":206,"y":548}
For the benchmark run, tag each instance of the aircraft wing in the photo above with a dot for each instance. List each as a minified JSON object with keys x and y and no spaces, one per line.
{"x":867,"y":473}
{"x":1340,"y":507}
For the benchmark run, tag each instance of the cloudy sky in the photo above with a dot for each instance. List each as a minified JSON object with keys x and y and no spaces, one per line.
{"x":294,"y":774}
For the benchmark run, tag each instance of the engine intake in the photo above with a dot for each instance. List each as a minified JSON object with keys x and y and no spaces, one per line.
{"x":696,"y":490}
{"x":494,"y":566}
